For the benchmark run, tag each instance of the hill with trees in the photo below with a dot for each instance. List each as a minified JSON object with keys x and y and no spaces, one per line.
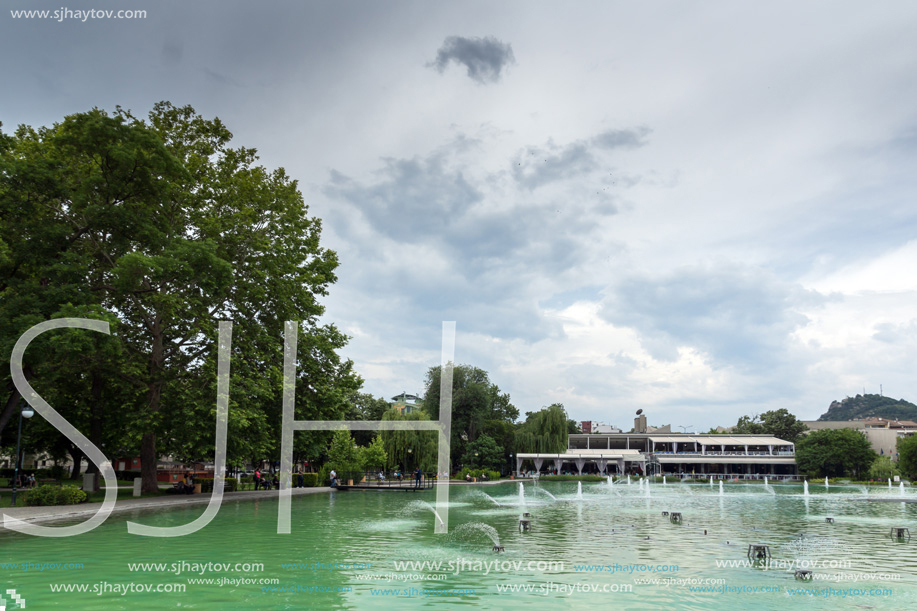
{"x":870,"y":406}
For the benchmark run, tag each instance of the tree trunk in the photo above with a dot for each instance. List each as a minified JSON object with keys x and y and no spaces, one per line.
{"x":76,"y":455}
{"x":9,"y":410}
{"x":148,"y":456}
{"x":95,"y":425}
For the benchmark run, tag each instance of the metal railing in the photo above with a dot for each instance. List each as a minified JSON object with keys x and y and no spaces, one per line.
{"x":368,"y":479}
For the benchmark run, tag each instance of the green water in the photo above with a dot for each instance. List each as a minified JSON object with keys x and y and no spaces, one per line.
{"x":358,"y":537}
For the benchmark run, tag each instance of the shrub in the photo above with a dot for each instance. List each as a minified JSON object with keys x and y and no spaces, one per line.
{"x":230,"y":484}
{"x":310,"y":480}
{"x":478,"y":473}
{"x":70,"y":495}
{"x":55,"y":495}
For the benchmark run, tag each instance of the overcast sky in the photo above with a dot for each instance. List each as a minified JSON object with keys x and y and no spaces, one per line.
{"x":701,"y":209}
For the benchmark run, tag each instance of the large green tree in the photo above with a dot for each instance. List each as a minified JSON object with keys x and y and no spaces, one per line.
{"x":407,"y":450}
{"x":779,"y":422}
{"x":479,"y":407}
{"x":835,"y":453}
{"x":907,"y":455}
{"x":165,"y":226}
{"x":484,"y":453}
{"x":544,"y":431}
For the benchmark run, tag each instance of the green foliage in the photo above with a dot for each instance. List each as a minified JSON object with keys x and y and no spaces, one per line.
{"x":883,"y":468}
{"x":374,"y":455}
{"x":310,"y":480}
{"x":162,"y":229}
{"x":479,"y":407}
{"x":343,"y":455}
{"x":780,"y":423}
{"x":229,"y":484}
{"x":407,"y":450}
{"x":54,"y":495}
{"x":870,"y":406}
{"x":835,"y":453}
{"x":907,"y":455}
{"x":483,"y":453}
{"x":324,"y":477}
{"x":479,"y":474}
{"x":544,"y":431}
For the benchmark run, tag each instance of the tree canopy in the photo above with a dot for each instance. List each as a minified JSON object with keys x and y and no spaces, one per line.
{"x":163,"y":228}
{"x":479,"y":407}
{"x":834,"y":453}
{"x":780,"y":423}
{"x":544,"y":431}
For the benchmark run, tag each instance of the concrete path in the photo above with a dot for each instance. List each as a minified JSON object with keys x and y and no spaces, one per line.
{"x":76,"y":512}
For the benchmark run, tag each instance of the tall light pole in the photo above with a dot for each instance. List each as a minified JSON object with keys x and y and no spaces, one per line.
{"x":25,"y":412}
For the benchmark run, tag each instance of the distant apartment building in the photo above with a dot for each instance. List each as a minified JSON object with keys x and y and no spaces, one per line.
{"x":590,"y":427}
{"x":405,"y":403}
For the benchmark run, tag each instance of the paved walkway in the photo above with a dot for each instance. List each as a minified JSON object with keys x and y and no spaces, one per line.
{"x":72,"y":512}
{"x":76,"y":512}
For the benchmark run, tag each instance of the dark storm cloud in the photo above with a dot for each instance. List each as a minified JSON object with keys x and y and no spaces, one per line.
{"x":739,"y":316}
{"x":484,"y":58}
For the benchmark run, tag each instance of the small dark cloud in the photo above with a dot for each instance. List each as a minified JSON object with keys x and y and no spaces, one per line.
{"x":484,"y":58}
{"x":622,"y":138}
{"x":172,"y":53}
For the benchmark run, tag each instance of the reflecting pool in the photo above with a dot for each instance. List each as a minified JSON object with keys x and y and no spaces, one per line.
{"x":588,"y":546}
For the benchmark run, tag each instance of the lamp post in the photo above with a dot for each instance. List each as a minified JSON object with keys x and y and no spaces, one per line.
{"x":512,"y":465}
{"x":475,"y":461}
{"x":25,"y":412}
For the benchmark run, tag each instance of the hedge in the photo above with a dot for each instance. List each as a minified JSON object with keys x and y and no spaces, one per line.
{"x":230,"y":484}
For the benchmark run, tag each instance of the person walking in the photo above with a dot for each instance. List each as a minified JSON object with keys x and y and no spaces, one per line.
{"x":417,"y":478}
{"x":334,"y":478}
{"x":299,"y":477}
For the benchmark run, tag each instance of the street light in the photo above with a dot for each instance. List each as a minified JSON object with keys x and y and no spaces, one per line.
{"x":26,"y":412}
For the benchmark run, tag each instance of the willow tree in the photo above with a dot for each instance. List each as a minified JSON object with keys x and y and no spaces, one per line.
{"x":544,"y":431}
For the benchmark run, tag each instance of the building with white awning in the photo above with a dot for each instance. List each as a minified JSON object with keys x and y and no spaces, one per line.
{"x":684,"y":454}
